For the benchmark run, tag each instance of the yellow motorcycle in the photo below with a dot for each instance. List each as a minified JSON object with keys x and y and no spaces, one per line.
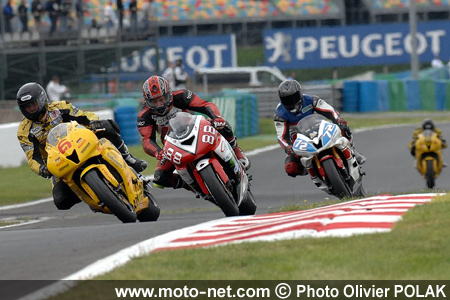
{"x":428,"y":153}
{"x":97,"y":173}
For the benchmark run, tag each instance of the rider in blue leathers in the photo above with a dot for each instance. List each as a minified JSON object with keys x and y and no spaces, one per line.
{"x":293,"y":107}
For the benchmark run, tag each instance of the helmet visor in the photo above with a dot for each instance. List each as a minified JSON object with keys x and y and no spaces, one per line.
{"x":31,"y":106}
{"x":158,"y":102}
{"x":291,"y":102}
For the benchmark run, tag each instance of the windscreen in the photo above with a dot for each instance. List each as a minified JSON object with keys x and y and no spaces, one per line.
{"x":427,"y":132}
{"x":309,"y":126}
{"x":57,"y":133}
{"x":181,"y":125}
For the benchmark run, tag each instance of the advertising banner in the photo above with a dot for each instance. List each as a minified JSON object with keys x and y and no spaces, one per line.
{"x":205,"y":51}
{"x":354,"y":45}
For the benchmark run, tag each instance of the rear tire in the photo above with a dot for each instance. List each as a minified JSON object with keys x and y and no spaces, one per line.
{"x":429,"y":175}
{"x":337,"y":182}
{"x":124,"y":212}
{"x":219,"y":192}
{"x":152,"y":212}
{"x":248,"y":205}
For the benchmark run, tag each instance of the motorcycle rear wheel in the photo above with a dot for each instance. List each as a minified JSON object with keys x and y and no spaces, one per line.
{"x":121,"y":210}
{"x":430,"y":174}
{"x":336,"y":181}
{"x":217,"y":188}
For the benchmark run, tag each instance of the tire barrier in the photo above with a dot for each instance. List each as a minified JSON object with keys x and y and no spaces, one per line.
{"x":396,"y":95}
{"x":125,"y":114}
{"x":240,"y":109}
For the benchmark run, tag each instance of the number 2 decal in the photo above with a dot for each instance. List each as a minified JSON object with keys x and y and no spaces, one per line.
{"x":329,"y":130}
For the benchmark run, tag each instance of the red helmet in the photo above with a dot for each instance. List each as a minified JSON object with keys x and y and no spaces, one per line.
{"x":158,"y":95}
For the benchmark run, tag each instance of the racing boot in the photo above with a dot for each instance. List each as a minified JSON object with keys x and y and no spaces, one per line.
{"x":318,"y":181}
{"x":137,"y":164}
{"x":179,"y":183}
{"x":359,"y":157}
{"x":245,"y":162}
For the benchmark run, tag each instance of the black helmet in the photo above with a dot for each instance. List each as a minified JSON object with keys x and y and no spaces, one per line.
{"x":291,"y":96}
{"x":427,"y":124}
{"x":33,"y":101}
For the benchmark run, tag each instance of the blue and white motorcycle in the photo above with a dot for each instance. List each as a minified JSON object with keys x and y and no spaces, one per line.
{"x":329,"y":157}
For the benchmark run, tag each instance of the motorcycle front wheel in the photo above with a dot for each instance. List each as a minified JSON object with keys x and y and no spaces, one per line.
{"x":336,"y":181}
{"x":248,"y":205}
{"x":102,"y":189}
{"x":429,"y":175}
{"x":219,"y":192}
{"x":152,"y":212}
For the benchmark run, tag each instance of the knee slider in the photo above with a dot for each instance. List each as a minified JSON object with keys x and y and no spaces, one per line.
{"x":292,"y":168}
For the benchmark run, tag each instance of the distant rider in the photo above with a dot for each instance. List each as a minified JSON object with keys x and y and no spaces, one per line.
{"x":40,"y":117}
{"x":293,"y":107}
{"x":161,"y":104}
{"x":427,"y":124}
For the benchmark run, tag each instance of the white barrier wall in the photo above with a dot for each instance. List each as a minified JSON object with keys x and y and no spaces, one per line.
{"x":11,"y":154}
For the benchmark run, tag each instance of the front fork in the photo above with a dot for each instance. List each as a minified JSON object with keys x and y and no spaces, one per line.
{"x":314,"y":166}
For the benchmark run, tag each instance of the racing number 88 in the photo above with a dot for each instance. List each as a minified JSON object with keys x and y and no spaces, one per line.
{"x":176,"y":157}
{"x":208,"y":138}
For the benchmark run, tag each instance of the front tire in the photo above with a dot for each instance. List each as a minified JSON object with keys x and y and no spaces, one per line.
{"x":336,"y":181}
{"x":429,"y":175}
{"x":248,"y":205}
{"x":217,"y":188}
{"x":152,"y":212}
{"x":101,"y":188}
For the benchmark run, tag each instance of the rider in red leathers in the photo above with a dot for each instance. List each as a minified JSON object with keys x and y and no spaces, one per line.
{"x":161,"y":105}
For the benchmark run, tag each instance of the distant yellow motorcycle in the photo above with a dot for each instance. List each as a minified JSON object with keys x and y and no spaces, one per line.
{"x":97,"y":173}
{"x":428,"y":153}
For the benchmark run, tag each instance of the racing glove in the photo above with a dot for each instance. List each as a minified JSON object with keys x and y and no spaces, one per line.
{"x":96,"y":125}
{"x":288,"y":150}
{"x":219,"y":123}
{"x":160,"y":155}
{"x":343,"y":125}
{"x":44,"y":172}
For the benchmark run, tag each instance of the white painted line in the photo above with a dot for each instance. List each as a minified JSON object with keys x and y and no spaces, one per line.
{"x":186,"y":237}
{"x":14,"y":206}
{"x":113,"y":261}
{"x":22,"y":223}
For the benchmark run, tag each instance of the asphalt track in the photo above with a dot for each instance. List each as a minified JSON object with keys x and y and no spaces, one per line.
{"x":64,"y":242}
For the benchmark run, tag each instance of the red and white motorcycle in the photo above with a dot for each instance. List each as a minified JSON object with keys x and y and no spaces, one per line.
{"x":205,"y":161}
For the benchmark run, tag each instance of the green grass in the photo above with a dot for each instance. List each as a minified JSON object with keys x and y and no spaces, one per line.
{"x":416,"y":249}
{"x":378,"y":120}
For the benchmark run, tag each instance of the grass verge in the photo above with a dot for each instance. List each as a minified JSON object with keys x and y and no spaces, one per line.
{"x":416,"y":249}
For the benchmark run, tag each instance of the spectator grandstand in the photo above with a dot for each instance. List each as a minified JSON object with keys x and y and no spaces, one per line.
{"x":394,"y":10}
{"x":245,"y":18}
{"x":172,"y":13}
